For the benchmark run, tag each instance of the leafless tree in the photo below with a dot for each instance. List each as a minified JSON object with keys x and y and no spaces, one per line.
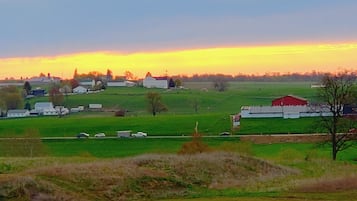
{"x":155,"y":104}
{"x":338,"y":91}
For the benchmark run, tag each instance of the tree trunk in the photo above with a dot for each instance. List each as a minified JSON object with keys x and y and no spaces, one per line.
{"x":334,"y":146}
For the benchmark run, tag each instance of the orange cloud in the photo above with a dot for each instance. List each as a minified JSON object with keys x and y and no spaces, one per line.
{"x":232,"y":60}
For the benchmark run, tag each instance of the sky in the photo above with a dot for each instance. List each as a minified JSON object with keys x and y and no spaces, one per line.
{"x":176,"y":36}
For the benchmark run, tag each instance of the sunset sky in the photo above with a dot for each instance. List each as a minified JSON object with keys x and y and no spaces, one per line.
{"x":176,"y":37}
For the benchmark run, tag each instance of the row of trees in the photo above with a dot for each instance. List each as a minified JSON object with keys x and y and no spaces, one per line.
{"x":273,"y":77}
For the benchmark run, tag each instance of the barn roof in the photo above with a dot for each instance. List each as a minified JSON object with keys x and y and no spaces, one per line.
{"x":293,"y":96}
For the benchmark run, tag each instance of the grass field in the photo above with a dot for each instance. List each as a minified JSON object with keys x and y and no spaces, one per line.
{"x":74,"y":168}
{"x":213,"y":112}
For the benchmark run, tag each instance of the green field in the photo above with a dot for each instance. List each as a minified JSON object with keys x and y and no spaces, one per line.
{"x":213,"y":111}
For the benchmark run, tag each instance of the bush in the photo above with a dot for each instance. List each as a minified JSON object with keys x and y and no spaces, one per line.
{"x":119,"y":113}
{"x":194,"y":146}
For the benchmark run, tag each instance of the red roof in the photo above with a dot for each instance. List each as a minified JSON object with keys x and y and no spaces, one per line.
{"x":289,"y":100}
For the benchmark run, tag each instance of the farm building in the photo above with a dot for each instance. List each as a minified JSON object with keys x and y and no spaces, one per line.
{"x":17,"y":113}
{"x":80,"y":90}
{"x":120,"y":84}
{"x":95,"y":106}
{"x":38,"y":92}
{"x":44,"y":108}
{"x":155,"y":82}
{"x":289,"y":100}
{"x":286,"y":112}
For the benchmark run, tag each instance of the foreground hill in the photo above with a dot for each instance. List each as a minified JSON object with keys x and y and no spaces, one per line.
{"x":138,"y":178}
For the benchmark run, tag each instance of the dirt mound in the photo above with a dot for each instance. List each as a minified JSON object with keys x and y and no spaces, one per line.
{"x":138,"y":178}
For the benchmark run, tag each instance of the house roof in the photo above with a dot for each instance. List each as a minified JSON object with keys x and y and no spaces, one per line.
{"x":148,"y":74}
{"x":160,"y":78}
{"x":44,"y":104}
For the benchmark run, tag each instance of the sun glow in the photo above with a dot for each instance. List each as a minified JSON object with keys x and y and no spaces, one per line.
{"x":230,"y":60}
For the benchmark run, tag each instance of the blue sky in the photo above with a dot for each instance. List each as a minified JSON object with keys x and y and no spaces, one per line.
{"x":52,"y":27}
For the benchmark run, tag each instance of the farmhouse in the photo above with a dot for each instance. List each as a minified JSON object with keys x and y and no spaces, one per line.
{"x":17,"y":113}
{"x":289,"y":100}
{"x":44,"y":108}
{"x":155,"y":82}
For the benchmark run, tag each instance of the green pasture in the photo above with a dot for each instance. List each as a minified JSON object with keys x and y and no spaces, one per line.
{"x":160,"y":125}
{"x":124,"y":147}
{"x":179,"y":101}
{"x":213,"y":113}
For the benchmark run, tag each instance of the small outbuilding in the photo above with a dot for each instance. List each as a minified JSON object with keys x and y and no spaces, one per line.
{"x":17,"y":113}
{"x":80,"y":90}
{"x":289,"y":100}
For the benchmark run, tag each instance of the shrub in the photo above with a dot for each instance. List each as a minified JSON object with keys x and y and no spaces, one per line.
{"x":194,"y":146}
{"x":119,"y":113}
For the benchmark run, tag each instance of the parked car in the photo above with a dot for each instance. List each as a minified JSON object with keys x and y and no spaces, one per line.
{"x":83,"y":135}
{"x":99,"y":135}
{"x":139,"y":134}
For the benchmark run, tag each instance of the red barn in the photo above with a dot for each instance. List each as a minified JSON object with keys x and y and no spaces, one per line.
{"x":289,"y":100}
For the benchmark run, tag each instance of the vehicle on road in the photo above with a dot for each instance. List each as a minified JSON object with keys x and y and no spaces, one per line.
{"x":99,"y":135}
{"x":124,"y":134}
{"x":139,"y":134}
{"x":83,"y":135}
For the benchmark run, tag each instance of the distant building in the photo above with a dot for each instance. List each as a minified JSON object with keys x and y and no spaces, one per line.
{"x":286,"y":112}
{"x":44,"y":108}
{"x":95,"y":106}
{"x":80,"y":90}
{"x":17,"y":113}
{"x":289,"y":100}
{"x":125,"y":83}
{"x":38,"y":92}
{"x":155,"y":82}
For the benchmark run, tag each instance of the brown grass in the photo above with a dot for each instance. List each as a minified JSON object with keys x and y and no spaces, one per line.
{"x":329,"y":185}
{"x":138,"y":178}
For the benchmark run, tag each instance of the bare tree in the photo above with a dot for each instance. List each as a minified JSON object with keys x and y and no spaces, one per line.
{"x":337,"y":92}
{"x":154,"y":103}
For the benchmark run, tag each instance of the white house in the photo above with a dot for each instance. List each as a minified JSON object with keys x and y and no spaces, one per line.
{"x":80,"y":90}
{"x":17,"y":113}
{"x":155,"y":82}
{"x":45,"y":108}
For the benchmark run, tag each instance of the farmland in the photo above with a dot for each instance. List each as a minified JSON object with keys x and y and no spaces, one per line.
{"x":213,"y":112}
{"x":150,"y":168}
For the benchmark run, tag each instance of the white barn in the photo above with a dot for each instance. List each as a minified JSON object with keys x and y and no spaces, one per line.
{"x":155,"y":82}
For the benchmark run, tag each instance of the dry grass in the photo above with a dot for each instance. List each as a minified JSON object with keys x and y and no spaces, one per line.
{"x":329,"y":185}
{"x":138,"y":178}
